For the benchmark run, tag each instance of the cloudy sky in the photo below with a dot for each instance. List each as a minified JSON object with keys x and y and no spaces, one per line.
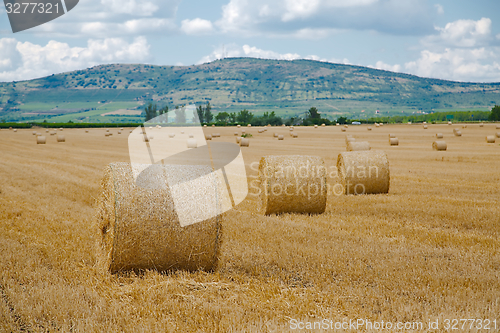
{"x":446,"y":39}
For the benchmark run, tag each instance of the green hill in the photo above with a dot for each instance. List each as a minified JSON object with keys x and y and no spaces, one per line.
{"x":117,"y":93}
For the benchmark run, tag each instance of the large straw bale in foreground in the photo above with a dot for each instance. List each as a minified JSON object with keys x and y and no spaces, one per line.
{"x":41,"y":140}
{"x":490,"y":139}
{"x":357,"y":146}
{"x":292,"y":184}
{"x":139,"y":227}
{"x":364,"y":172}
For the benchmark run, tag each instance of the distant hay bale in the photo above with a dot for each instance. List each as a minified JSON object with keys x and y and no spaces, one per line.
{"x":261,"y":131}
{"x":204,"y":125}
{"x":191,"y":143}
{"x":497,"y":126}
{"x":245,"y":142}
{"x":392,"y":135}
{"x":119,"y":132}
{"x":86,"y":131}
{"x":357,"y":146}
{"x":190,"y":136}
{"x":283,"y":125}
{"x":292,"y":184}
{"x":208,"y":137}
{"x":34,"y":133}
{"x":46,"y":131}
{"x":439,"y":145}
{"x":364,"y":172}
{"x":138,"y":224}
{"x":457,"y":132}
{"x":481,"y":125}
{"x":130,"y":131}
{"x":439,"y":135}
{"x":377,"y":125}
{"x":450,"y":123}
{"x":107,"y":130}
{"x":291,"y":128}
{"x":41,"y":140}
{"x":498,"y":134}
{"x":213,"y":125}
{"x":394,"y":141}
{"x":171,"y":135}
{"x":61,"y":129}
{"x":323,"y":125}
{"x":409,"y":123}
{"x":243,"y":131}
{"x":275,"y":135}
{"x":10,"y":128}
{"x":464,"y":126}
{"x":236,"y":133}
{"x":61,"y":138}
{"x":425,"y":123}
{"x":15,"y":130}
{"x":381,"y":124}
{"x":337,"y":124}
{"x":315,"y":126}
{"x":295,"y":135}
{"x":343,"y":129}
{"x":369,"y":128}
{"x":425,"y":126}
{"x":249,"y":125}
{"x":53,"y":133}
{"x":490,"y":139}
{"x":121,"y":129}
{"x":38,"y":134}
{"x":150,"y":127}
{"x":281,"y":137}
{"x":238,"y":139}
{"x":346,"y":126}
{"x":216,"y":135}
{"x":238,"y":126}
{"x":349,"y":138}
{"x":182,"y":132}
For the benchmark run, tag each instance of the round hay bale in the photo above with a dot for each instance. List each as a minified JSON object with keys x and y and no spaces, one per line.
{"x":171,"y":135}
{"x":364,"y":172}
{"x":458,"y":133}
{"x":377,"y":125}
{"x":119,"y":132}
{"x":498,"y":134}
{"x":236,"y":133}
{"x":208,"y":137}
{"x":439,"y":145}
{"x":346,"y":126}
{"x":34,"y":133}
{"x":204,"y":125}
{"x":130,"y":131}
{"x":121,"y":129}
{"x":46,"y":131}
{"x":261,"y":131}
{"x":323,"y":125}
{"x":110,"y":134}
{"x":61,"y":138}
{"x":450,"y":123}
{"x":381,"y":124}
{"x":150,"y":127}
{"x":213,"y":125}
{"x":369,"y":128}
{"x":61,"y":129}
{"x":182,"y":132}
{"x":392,"y":135}
{"x":481,"y":125}
{"x":138,"y":224}
{"x":53,"y":133}
{"x":86,"y":131}
{"x":238,"y":139}
{"x":343,"y":129}
{"x":464,"y":126}
{"x":216,"y":135}
{"x":281,"y":137}
{"x":315,"y":126}
{"x":243,"y":131}
{"x":358,"y":146}
{"x":107,"y":130}
{"x":292,"y":184}
{"x":238,"y":126}
{"x":425,"y":126}
{"x":490,"y":139}
{"x":191,"y":143}
{"x":41,"y":140}
{"x":349,"y":138}
{"x":291,"y":129}
{"x":249,"y":125}
{"x":409,"y":123}
{"x":245,"y":142}
{"x":191,"y":136}
{"x":283,"y":125}
{"x":394,"y":141}
{"x":425,"y":123}
{"x":295,"y":135}
{"x":10,"y":128}
{"x":337,"y":124}
{"x":497,"y":126}
{"x":275,"y":135}
{"x":439,"y":135}
{"x":15,"y":130}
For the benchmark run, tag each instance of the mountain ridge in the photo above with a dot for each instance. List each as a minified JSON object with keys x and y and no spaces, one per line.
{"x":119,"y":91}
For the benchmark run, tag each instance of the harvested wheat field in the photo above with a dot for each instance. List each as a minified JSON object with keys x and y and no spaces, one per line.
{"x":428,"y":250}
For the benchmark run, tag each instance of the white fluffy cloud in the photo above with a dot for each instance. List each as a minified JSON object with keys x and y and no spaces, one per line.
{"x":261,"y":17}
{"x":22,"y":61}
{"x":463,"y":33}
{"x":386,"y":67}
{"x":196,"y":27}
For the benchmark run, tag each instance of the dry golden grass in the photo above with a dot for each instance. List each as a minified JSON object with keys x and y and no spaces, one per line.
{"x":429,"y":249}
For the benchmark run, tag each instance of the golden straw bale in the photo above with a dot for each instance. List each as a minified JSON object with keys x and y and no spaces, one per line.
{"x":61,"y":138}
{"x":450,"y":123}
{"x":208,"y":137}
{"x":425,"y":126}
{"x":439,"y":145}
{"x":315,"y":126}
{"x":119,"y":132}
{"x":275,"y":135}
{"x":323,"y":125}
{"x":171,"y":135}
{"x":481,"y":125}
{"x":346,"y":126}
{"x":394,"y":141}
{"x":34,"y":132}
{"x":295,"y":135}
{"x":138,"y":225}
{"x":369,"y":128}
{"x":458,"y":133}
{"x":249,"y":125}
{"x":245,"y":142}
{"x":392,"y":135}
{"x":490,"y":139}
{"x":357,"y":146}
{"x":61,"y":129}
{"x":41,"y":140}
{"x":439,"y":135}
{"x":343,"y":129}
{"x":497,"y":126}
{"x":46,"y":131}
{"x":498,"y":134}
{"x":281,"y":137}
{"x":236,"y":133}
{"x":364,"y":172}
{"x":292,"y":184}
{"x":191,"y":143}
{"x":238,"y":126}
{"x":15,"y":130}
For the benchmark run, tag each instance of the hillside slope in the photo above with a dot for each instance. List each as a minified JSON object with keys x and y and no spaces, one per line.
{"x":117,"y":92}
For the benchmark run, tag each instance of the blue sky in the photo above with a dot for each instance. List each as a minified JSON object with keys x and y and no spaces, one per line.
{"x":453,"y":40}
